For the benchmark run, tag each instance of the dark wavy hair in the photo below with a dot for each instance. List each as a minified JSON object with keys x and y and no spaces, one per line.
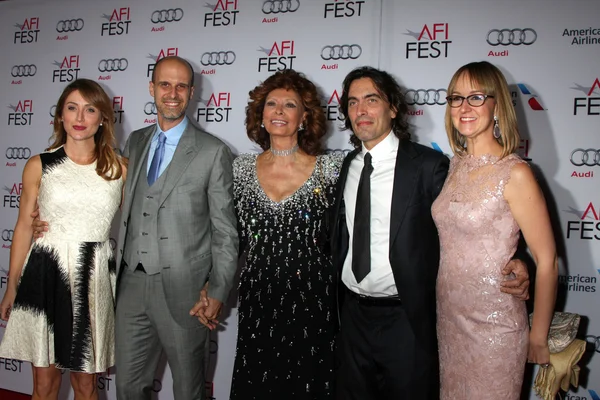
{"x":108,"y":162}
{"x":315,"y":125}
{"x":388,"y":89}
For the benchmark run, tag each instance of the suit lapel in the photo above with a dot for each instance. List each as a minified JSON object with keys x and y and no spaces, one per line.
{"x":186,"y":150}
{"x":405,"y":179}
{"x":137,"y":155}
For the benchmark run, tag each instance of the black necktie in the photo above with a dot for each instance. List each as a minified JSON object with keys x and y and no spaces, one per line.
{"x":361,"y":237}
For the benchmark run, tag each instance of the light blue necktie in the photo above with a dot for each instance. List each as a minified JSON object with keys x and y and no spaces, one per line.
{"x":159,"y":154}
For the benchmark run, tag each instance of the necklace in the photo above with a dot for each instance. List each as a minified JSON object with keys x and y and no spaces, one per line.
{"x":283,"y":153}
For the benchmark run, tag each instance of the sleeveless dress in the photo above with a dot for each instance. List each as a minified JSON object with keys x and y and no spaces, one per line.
{"x":63,"y":312}
{"x":286,"y":328}
{"x":482,"y":333}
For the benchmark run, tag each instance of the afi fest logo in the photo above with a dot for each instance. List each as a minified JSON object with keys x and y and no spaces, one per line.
{"x":343,"y":9}
{"x":27,"y":32}
{"x":280,"y":56}
{"x":118,"y":22}
{"x":7,"y":364}
{"x":68,"y":69}
{"x":21,"y":114}
{"x":217,"y":108}
{"x":223,"y":13}
{"x":169,"y":51}
{"x":587,"y":224}
{"x":431,"y":41}
{"x":589,"y":105}
{"x":117,"y":102}
{"x":331,"y":107}
{"x":11,"y":200}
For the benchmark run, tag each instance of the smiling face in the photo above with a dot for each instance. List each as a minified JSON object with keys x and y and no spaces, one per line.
{"x":370,"y":114}
{"x":472,"y":121}
{"x":172,"y":92}
{"x":283,"y":112}
{"x":80,"y":119}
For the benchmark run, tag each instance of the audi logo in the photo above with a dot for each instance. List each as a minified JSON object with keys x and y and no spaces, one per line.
{"x":341,"y":52}
{"x":218,"y":58}
{"x":113,"y":64}
{"x":7,"y":235}
{"x":69,"y":25}
{"x":505,"y":37}
{"x":170,"y":15}
{"x":422,"y":97}
{"x":343,"y":152}
{"x":587,"y":157}
{"x":18,"y":153}
{"x":150,"y":108}
{"x":23,"y":70}
{"x":113,"y":243}
{"x":592,"y":340}
{"x":52,"y":111}
{"x":280,"y":6}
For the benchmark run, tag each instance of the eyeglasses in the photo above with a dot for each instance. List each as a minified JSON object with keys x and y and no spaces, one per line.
{"x":474,"y":100}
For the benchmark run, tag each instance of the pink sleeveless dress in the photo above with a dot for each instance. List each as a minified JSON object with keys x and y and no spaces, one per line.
{"x":482,"y":332}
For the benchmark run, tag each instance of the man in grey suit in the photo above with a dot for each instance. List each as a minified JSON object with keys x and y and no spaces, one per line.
{"x":177,"y":231}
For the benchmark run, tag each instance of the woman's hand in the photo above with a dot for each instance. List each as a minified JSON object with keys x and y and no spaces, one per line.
{"x":7,"y":303}
{"x":539,"y":353}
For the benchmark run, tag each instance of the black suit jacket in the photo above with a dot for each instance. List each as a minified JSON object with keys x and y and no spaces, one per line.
{"x":414,"y":254}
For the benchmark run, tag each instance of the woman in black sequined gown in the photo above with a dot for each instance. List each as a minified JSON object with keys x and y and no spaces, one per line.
{"x":286,"y":309}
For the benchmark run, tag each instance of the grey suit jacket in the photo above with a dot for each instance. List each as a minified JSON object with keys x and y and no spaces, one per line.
{"x":197,"y":228}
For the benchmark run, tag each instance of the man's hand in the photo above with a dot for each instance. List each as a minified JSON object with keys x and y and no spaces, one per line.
{"x":202,"y":310}
{"x":519,"y":286}
{"x":39,"y":227}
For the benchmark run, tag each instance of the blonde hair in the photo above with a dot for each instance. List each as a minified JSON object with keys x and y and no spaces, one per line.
{"x":490,"y":81}
{"x":108,"y":163}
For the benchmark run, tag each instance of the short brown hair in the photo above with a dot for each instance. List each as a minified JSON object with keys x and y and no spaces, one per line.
{"x":315,"y":126}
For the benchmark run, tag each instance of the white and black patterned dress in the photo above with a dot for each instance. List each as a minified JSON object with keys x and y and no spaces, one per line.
{"x":286,"y":328}
{"x":63,"y":313}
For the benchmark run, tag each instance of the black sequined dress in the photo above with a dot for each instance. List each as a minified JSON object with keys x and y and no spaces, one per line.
{"x":286,"y":295}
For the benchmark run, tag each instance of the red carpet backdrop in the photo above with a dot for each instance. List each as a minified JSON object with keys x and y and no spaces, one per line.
{"x":548,"y":50}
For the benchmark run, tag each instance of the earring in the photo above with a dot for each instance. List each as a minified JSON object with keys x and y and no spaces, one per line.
{"x":262,"y":125}
{"x":497,"y":133}
{"x":301,"y":127}
{"x":100,"y":123}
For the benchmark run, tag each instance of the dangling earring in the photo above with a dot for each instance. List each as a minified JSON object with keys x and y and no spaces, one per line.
{"x":262,"y":125}
{"x":497,"y":133}
{"x":301,"y":127}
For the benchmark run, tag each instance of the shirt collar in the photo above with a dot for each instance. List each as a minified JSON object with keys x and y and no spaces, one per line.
{"x":174,"y":134}
{"x":383,"y":148}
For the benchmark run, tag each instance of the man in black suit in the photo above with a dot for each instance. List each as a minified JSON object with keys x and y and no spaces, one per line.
{"x":386,"y":250}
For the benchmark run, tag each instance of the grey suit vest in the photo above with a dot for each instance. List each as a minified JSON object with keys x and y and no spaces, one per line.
{"x":141,"y":242}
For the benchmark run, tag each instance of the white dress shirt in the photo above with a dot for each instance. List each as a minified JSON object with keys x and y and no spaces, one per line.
{"x":380,"y":281}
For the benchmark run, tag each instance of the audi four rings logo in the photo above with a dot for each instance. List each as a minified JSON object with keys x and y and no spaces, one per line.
{"x":69,"y":25}
{"x":170,"y":15}
{"x":505,"y":37}
{"x":218,"y":58}
{"x":280,"y":6}
{"x":150,"y":108}
{"x":422,"y":97}
{"x":23,"y":70}
{"x":113,"y":64}
{"x":7,"y":235}
{"x":593,"y":340}
{"x":587,"y":157}
{"x":341,"y":52}
{"x":18,"y":153}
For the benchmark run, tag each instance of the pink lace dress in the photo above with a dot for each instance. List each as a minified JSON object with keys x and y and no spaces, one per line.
{"x":482,"y":332}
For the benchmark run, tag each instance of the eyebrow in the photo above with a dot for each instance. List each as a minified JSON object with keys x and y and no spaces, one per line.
{"x":85,"y":105}
{"x":367,"y":96}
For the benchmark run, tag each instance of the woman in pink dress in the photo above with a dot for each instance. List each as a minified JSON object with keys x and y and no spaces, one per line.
{"x":489,"y":196}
